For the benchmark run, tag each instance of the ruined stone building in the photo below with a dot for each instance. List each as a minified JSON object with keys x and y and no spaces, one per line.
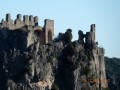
{"x":27,"y":64}
{"x":46,"y":32}
{"x":89,"y":36}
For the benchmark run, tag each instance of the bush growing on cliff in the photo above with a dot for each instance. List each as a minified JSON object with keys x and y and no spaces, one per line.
{"x":50,"y":58}
{"x":102,"y":50}
{"x":65,"y":37}
{"x":31,"y":56}
{"x":87,"y":71}
{"x":68,"y":36}
{"x":106,"y":88}
{"x":69,"y":50}
{"x":54,"y":87}
{"x":28,"y":69}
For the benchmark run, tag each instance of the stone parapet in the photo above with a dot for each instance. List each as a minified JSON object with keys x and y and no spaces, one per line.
{"x":30,"y":23}
{"x":19,"y":23}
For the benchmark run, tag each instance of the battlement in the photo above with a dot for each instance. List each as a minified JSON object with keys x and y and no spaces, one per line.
{"x":46,"y":32}
{"x":19,"y":23}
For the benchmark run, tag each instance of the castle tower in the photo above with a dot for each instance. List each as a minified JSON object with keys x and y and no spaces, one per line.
{"x":49,"y":30}
{"x":90,"y":36}
{"x":93,"y":30}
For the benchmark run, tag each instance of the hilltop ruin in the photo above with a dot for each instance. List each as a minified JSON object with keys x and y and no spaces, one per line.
{"x":31,"y":23}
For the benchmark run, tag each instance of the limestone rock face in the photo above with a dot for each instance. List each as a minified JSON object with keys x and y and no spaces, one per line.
{"x":83,"y":70}
{"x":26,"y":64}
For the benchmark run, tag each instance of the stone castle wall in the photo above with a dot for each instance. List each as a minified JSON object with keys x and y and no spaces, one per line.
{"x":46,"y":32}
{"x":18,"y":23}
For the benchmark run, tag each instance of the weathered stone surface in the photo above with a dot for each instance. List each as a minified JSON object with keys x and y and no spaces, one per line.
{"x":36,"y":20}
{"x":30,"y":23}
{"x":93,"y":29}
{"x":26,"y":19}
{"x":89,"y":37}
{"x":81,"y":36}
{"x":19,"y":16}
{"x":8,"y":17}
{"x":49,"y":30}
{"x":18,"y":22}
{"x":30,"y":67}
{"x":38,"y":28}
{"x":31,"y":20}
{"x":10,"y":24}
{"x":3,"y":24}
{"x":9,"y":21}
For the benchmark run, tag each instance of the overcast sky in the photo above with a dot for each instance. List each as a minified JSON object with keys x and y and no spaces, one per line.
{"x":74,"y":14}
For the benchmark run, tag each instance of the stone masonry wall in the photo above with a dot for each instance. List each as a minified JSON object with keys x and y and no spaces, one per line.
{"x":31,"y":23}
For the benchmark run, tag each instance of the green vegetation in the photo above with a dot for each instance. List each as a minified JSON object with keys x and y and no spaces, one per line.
{"x":31,"y":56}
{"x":88,"y":55}
{"x":65,"y":37}
{"x":69,"y":50}
{"x":68,"y":36}
{"x":28,"y":69}
{"x":49,"y":44}
{"x":54,"y":87}
{"x":113,"y":71}
{"x":102,"y":50}
{"x":106,"y":88}
{"x":87,"y":71}
{"x":50,"y":58}
{"x":40,"y":49}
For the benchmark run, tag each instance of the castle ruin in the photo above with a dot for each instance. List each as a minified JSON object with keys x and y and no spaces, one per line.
{"x":89,"y":36}
{"x":46,"y":32}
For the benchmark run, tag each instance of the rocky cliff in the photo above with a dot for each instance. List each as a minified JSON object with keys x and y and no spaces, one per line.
{"x":26,"y":64}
